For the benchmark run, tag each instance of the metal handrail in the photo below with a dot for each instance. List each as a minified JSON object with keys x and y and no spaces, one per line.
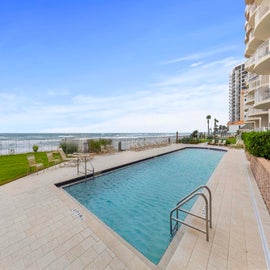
{"x":84,"y":160}
{"x":208,"y":210}
{"x":210,"y":199}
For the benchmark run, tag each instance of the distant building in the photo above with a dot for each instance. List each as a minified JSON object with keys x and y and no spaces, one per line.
{"x":257,"y":40}
{"x":237,"y":89}
{"x":233,"y":127}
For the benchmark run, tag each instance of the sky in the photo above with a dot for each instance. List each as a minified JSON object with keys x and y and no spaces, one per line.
{"x":117,"y":65}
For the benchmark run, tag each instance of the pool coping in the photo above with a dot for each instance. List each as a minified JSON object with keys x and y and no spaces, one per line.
{"x":170,"y":250}
{"x":39,"y":230}
{"x":100,"y":172}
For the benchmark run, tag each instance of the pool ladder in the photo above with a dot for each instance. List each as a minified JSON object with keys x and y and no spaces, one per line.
{"x":85,"y":166}
{"x":207,"y":209}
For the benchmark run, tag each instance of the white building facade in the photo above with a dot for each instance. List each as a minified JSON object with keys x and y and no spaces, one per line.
{"x":257,"y":40}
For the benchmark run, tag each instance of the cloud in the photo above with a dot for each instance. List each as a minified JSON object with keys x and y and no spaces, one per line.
{"x":180,"y":101}
{"x":200,"y":55}
{"x":196,"y":64}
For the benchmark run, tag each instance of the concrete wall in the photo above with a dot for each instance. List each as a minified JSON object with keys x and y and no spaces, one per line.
{"x":261,"y":171}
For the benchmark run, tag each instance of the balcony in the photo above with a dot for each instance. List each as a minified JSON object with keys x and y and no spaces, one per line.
{"x":253,"y":84}
{"x":262,"y":20}
{"x":247,"y":27}
{"x":250,"y":100}
{"x":262,"y":58}
{"x":257,"y":81}
{"x":256,"y":112}
{"x":248,"y":51}
{"x":265,"y":80}
{"x":262,"y":98}
{"x":252,"y":44}
{"x":252,"y":12}
{"x":250,"y":63}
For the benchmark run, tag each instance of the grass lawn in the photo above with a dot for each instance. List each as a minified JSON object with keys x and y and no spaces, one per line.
{"x":15,"y":166}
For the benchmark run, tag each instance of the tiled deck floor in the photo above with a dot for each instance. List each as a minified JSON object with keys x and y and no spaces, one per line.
{"x":38,"y":229}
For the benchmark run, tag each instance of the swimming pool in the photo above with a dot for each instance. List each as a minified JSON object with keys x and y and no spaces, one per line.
{"x":135,"y":201}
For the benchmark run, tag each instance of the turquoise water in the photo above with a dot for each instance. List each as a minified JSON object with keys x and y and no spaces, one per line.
{"x":135,"y":201}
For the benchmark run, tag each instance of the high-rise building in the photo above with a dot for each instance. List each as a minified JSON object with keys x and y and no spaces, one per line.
{"x":237,"y":87}
{"x":257,"y":40}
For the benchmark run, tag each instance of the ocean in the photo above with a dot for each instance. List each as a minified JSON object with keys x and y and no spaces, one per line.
{"x":11,"y":143}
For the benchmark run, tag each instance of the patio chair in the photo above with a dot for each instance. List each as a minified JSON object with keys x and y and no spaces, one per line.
{"x":51,"y":159}
{"x":223,"y":143}
{"x":212,"y":142}
{"x":67,"y":161}
{"x":32,"y":164}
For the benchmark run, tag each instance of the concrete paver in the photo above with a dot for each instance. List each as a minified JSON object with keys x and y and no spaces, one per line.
{"x":39,"y":230}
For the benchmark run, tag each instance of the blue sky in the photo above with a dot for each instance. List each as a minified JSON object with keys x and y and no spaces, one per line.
{"x":117,"y":66}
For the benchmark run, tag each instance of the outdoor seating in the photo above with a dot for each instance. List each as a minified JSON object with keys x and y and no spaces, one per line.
{"x":223,"y":142}
{"x":212,"y":142}
{"x":51,"y":159}
{"x":32,"y":164}
{"x":67,"y":161}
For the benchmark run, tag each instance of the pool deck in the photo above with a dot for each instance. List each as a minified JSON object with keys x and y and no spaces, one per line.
{"x":39,"y":230}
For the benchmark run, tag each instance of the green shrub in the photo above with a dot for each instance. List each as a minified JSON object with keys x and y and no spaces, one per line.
{"x":35,"y":148}
{"x":257,"y":143}
{"x":105,"y":142}
{"x":94,"y":146}
{"x":231,"y":140}
{"x":244,"y":136}
{"x":69,"y":147}
{"x":189,"y":140}
{"x":203,"y":140}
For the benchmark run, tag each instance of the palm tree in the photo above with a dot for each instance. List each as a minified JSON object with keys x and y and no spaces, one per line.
{"x":208,"y":117}
{"x":215,"y":126}
{"x":220,"y":129}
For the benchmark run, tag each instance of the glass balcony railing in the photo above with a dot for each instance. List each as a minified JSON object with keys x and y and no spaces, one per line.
{"x":262,"y":9}
{"x":252,"y":9}
{"x":253,"y":111}
{"x":263,"y":50}
{"x":264,"y":79}
{"x":262,"y":94}
{"x":250,"y":62}
{"x":250,"y":98}
{"x":258,"y":81}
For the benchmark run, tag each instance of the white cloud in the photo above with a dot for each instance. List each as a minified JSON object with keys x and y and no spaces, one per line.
{"x":201,"y":55}
{"x":178,"y":102}
{"x":196,"y":64}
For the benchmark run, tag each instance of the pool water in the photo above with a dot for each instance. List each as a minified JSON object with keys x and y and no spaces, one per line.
{"x":135,"y":201}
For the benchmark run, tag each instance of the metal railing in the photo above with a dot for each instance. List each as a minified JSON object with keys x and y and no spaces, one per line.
{"x":10,"y":144}
{"x":84,"y":165}
{"x":208,"y":212}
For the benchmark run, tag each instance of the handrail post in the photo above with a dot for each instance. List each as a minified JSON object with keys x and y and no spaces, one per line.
{"x":171,"y":223}
{"x":208,"y":211}
{"x":207,"y":220}
{"x":210,"y":204}
{"x":85,"y":167}
{"x":78,"y":165}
